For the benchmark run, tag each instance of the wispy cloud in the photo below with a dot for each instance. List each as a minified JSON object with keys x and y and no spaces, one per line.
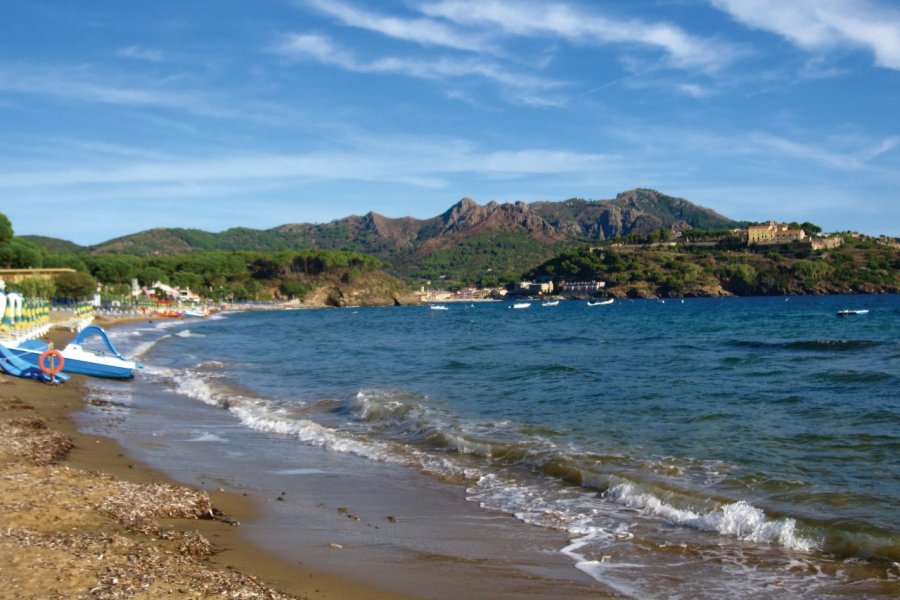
{"x":693,"y":90}
{"x":139,"y":53}
{"x":825,"y":24}
{"x":426,"y":32}
{"x":846,"y":159}
{"x":579,"y":26}
{"x":415,"y":163}
{"x":86,"y":85}
{"x":324,"y":50}
{"x":484,"y":31}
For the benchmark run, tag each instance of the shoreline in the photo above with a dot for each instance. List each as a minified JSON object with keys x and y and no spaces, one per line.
{"x":392,"y":531}
{"x":52,"y":518}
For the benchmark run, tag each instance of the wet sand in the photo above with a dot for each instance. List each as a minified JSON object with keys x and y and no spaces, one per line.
{"x":79,"y":518}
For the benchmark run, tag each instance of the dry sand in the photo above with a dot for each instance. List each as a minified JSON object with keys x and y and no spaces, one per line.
{"x":79,"y":519}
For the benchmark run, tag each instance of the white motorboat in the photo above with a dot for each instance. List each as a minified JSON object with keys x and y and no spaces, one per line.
{"x":601,"y":302}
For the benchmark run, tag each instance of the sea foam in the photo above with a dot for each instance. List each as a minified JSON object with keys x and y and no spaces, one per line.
{"x":740,"y":519}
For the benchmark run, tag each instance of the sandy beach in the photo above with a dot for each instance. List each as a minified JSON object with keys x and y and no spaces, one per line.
{"x":79,"y":519}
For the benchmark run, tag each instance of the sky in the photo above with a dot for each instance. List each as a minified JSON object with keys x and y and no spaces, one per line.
{"x":120,"y":116}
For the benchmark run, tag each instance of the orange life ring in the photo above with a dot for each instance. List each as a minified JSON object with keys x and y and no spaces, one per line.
{"x":56,"y":365}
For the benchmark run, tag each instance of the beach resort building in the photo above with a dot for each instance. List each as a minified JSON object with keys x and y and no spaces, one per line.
{"x":532,"y":288}
{"x":773,"y":233}
{"x":582,"y":287}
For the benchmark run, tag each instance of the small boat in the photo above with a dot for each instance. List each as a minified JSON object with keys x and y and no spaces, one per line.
{"x":78,"y":360}
{"x":521,"y":305}
{"x":551,"y":303}
{"x":438,"y":307}
{"x":601,"y":302}
{"x":15,"y":365}
{"x":849,"y":313}
{"x":195,"y":312}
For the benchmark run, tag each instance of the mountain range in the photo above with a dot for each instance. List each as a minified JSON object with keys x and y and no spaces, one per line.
{"x":514,"y":234}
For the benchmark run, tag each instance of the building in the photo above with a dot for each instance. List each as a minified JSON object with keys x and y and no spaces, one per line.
{"x":583,"y":287}
{"x":773,"y":233}
{"x":826,"y":243}
{"x":176,"y":293}
{"x":531,"y":288}
{"x":15,"y":275}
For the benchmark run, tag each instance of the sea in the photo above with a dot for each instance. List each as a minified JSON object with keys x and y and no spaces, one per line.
{"x":695,"y":448}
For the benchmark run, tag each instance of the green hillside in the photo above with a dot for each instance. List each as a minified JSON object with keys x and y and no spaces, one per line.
{"x":860,"y":266}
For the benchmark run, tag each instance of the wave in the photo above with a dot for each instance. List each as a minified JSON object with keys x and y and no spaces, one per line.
{"x":209,"y":437}
{"x":262,"y":415}
{"x":808,"y":345}
{"x":853,"y":376}
{"x":261,"y":418}
{"x":525,"y":471}
{"x":739,"y":519}
{"x":186,"y":333}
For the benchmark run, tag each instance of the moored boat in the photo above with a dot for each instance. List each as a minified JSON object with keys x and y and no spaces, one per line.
{"x":601,"y":302}
{"x":551,"y":303}
{"x":521,"y":305}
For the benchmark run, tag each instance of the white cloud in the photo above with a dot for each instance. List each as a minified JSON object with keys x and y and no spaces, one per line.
{"x":426,"y":32}
{"x":846,"y":160}
{"x":401,"y":161}
{"x":139,"y":53}
{"x":322,"y":49}
{"x":87,"y":85}
{"x":317,"y":47}
{"x":825,"y":24}
{"x":575,"y":25}
{"x":694,"y":90}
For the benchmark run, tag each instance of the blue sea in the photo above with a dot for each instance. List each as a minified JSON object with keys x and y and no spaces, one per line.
{"x":704,"y":448}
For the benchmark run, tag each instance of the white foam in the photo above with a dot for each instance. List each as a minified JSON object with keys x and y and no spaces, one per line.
{"x":209,"y":437}
{"x":166,"y":324}
{"x":198,"y":388}
{"x":740,"y":519}
{"x":142,"y":349}
{"x":600,"y":569}
{"x":301,"y":472}
{"x":260,"y":418}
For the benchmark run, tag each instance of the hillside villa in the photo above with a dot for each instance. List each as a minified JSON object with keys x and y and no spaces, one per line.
{"x":773,"y":233}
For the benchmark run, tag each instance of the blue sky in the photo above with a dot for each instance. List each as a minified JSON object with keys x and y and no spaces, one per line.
{"x":117,"y":117}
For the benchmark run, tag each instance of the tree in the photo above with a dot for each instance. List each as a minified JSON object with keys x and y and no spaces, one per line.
{"x":113,"y":269}
{"x":150,"y":275}
{"x":6,"y":230}
{"x":810,"y":228}
{"x":64,"y":261}
{"x":37,"y":287}
{"x":20,"y":254}
{"x":293,"y":288}
{"x":190,"y":281}
{"x":661,"y":235}
{"x":743,"y":277}
{"x":75,"y":285}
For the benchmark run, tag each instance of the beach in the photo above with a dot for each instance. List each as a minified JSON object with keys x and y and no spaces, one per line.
{"x":79,"y":518}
